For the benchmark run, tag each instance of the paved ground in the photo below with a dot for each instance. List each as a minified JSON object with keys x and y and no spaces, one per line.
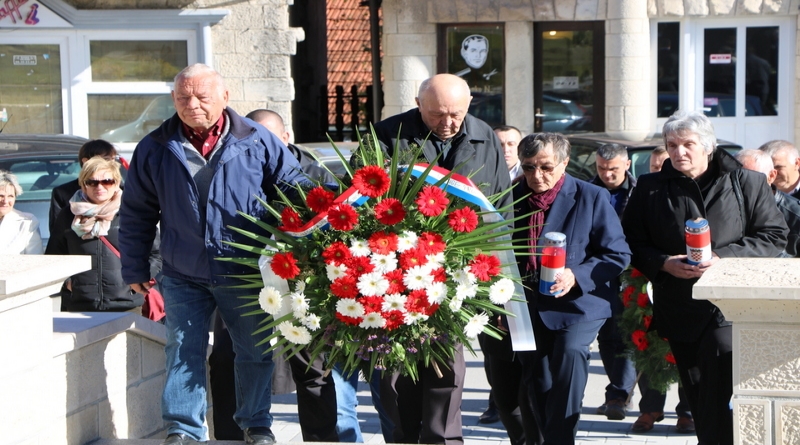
{"x":593,"y":429}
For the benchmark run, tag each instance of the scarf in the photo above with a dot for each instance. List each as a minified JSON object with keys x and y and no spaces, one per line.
{"x":542,"y":202}
{"x":93,"y":220}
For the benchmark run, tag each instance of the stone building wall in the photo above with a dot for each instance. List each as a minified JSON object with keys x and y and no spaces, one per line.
{"x":252,"y":47}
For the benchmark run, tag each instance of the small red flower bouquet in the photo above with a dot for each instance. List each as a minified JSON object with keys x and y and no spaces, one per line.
{"x":395,"y":266}
{"x":649,"y":352}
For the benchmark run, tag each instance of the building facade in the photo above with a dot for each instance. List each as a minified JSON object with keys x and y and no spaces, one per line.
{"x":621,"y":66}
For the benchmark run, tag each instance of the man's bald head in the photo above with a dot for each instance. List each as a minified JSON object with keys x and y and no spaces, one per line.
{"x":273,"y":121}
{"x":443,"y":101}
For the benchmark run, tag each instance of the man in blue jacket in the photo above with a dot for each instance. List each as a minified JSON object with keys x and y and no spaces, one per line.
{"x":192,"y":175}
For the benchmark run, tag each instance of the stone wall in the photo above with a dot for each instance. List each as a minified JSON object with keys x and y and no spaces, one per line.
{"x":252,"y":47}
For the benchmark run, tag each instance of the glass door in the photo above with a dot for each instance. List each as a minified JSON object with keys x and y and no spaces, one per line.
{"x":31,"y":88}
{"x":569,"y":80}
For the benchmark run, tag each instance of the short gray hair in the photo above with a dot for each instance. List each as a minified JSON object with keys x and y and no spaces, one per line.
{"x":611,"y":151}
{"x":200,"y":69}
{"x":531,"y":144}
{"x":774,"y":147}
{"x":762,"y":159}
{"x":9,"y":179}
{"x":694,"y":122}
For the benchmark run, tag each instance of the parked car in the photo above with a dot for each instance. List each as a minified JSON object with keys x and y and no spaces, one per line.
{"x":157,"y":111}
{"x":584,"y":145}
{"x":326,"y":155}
{"x":41,"y":162}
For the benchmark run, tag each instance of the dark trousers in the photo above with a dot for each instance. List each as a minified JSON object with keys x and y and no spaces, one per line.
{"x":316,"y":393}
{"x":618,"y":367}
{"x":556,"y":375}
{"x":653,"y":401}
{"x":429,"y":410}
{"x":509,"y":392}
{"x":706,"y":370}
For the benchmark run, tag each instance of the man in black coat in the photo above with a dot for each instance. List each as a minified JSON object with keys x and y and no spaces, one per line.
{"x":788,"y":205}
{"x":429,"y":410}
{"x":786,"y":159}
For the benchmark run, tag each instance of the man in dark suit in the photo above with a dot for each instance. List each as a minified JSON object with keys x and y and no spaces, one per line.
{"x":596,"y":253}
{"x":786,"y":159}
{"x":429,"y":410}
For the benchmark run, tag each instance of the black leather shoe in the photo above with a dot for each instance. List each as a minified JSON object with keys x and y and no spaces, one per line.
{"x":180,"y":439}
{"x":491,"y":415}
{"x":259,"y":435}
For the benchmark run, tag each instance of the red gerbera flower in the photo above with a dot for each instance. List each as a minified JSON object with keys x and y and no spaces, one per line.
{"x":394,"y":319}
{"x":643,"y":300}
{"x":337,"y":253}
{"x":626,"y":295}
{"x":358,"y":265}
{"x":383,"y":243}
{"x":639,"y":338}
{"x":463,"y":220}
{"x":371,"y":181}
{"x":438,"y":275}
{"x":430,"y":243}
{"x":371,"y":304}
{"x":417,"y":301}
{"x":284,"y":265}
{"x":646,"y":320}
{"x":342,"y":217}
{"x":390,"y":211}
{"x":430,"y":310}
{"x":431,"y":201}
{"x":319,"y":199}
{"x":395,"y":278}
{"x":412,"y":257}
{"x":345,"y":287}
{"x":290,"y":219}
{"x":670,"y":358}
{"x":352,"y":321}
{"x":635,"y":273}
{"x":484,"y":266}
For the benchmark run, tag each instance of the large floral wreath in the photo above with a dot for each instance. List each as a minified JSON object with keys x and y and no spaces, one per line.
{"x":649,"y":352}
{"x":395,"y":265}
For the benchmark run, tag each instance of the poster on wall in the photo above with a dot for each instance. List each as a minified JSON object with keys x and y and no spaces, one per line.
{"x":475,"y":53}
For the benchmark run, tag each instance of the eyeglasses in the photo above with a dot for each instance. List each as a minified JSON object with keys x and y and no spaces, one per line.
{"x":95,"y":182}
{"x":545,"y":169}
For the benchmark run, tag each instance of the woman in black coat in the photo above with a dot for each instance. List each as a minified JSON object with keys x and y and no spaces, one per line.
{"x":699,"y":182}
{"x":90,"y":226}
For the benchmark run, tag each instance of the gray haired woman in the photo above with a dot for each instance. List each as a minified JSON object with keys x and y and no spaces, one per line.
{"x":699,"y":181}
{"x":19,"y":231}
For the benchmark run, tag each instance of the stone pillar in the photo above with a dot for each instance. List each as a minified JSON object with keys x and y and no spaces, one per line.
{"x":519,"y":75}
{"x":26,"y":333}
{"x":409,"y":43}
{"x":628,"y":80}
{"x":762,"y":299}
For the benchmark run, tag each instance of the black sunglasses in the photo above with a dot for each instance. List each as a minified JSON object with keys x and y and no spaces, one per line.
{"x":528,"y":168}
{"x":96,"y":182}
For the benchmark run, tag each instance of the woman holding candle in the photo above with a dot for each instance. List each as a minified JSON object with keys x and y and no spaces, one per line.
{"x":699,"y":181}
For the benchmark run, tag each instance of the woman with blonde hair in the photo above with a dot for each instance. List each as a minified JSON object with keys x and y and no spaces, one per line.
{"x":19,"y":231}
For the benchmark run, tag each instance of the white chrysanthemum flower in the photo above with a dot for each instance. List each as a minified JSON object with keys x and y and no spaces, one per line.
{"x":299,"y":304}
{"x":298,"y":335}
{"x":373,"y":320}
{"x":349,"y":307}
{"x":359,"y":247}
{"x":436,"y":293}
{"x":455,"y":303}
{"x":372,"y":284}
{"x":418,"y":277}
{"x":410,"y":318}
{"x":436,"y":259}
{"x":475,"y":325}
{"x":333,"y":271}
{"x":406,"y":240}
{"x":501,"y":291}
{"x":384,"y":263}
{"x":311,"y":321}
{"x":464,"y":291}
{"x":270,"y":300}
{"x":463,"y":276}
{"x":300,"y":286}
{"x":394,"y":302}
